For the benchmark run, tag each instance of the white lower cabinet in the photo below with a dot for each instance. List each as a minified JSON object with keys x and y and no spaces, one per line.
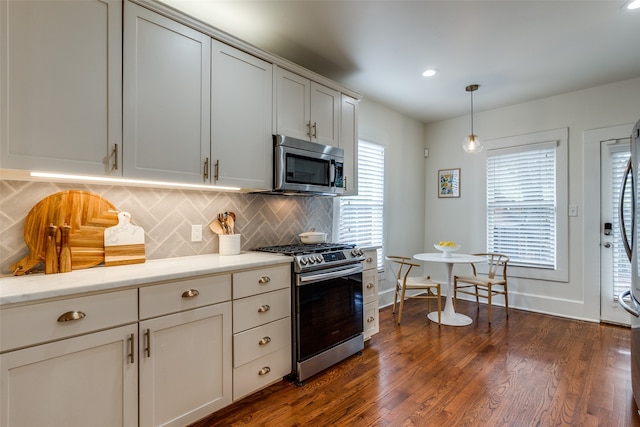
{"x":371,"y":323}
{"x":185,"y":350}
{"x":185,"y":365}
{"x":261,"y":328}
{"x":68,"y":363}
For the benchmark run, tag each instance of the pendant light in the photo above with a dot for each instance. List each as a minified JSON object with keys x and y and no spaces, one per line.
{"x":471,"y":143}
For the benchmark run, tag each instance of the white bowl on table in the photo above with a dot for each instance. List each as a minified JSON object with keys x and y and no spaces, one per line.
{"x":446,"y":250}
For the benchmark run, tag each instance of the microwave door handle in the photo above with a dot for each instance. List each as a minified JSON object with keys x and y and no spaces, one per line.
{"x":628,"y":246}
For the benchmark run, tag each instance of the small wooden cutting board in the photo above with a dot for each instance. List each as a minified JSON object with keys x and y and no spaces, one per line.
{"x":124,"y":243}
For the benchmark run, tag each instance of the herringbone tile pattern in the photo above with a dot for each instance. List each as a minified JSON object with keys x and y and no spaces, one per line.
{"x":167,"y":216}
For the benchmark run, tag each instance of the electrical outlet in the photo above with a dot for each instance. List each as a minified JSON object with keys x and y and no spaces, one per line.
{"x":196,"y":233}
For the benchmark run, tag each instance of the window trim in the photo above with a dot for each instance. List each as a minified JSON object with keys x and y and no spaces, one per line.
{"x":561,"y":138}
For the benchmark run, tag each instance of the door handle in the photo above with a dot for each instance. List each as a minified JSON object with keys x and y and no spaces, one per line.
{"x":607,"y":245}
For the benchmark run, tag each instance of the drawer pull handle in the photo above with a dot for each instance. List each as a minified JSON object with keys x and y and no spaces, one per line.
{"x":191,"y":293}
{"x":370,"y":285}
{"x":264,"y":280}
{"x":71,"y":315}
{"x":264,"y":341}
{"x":264,"y":371}
{"x":264,"y":308}
{"x":371,"y":319}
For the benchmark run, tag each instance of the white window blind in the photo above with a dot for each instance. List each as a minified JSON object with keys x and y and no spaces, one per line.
{"x":361,"y":216}
{"x":621,"y":264}
{"x":521,"y":204}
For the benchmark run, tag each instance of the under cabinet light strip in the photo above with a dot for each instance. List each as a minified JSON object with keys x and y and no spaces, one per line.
{"x":130,"y":181}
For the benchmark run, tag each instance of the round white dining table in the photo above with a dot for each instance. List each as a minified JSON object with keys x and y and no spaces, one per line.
{"x":449,"y":315}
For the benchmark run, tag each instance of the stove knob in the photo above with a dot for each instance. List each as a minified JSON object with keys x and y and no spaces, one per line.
{"x":312,"y":260}
{"x":319,"y":259}
{"x":303,"y":261}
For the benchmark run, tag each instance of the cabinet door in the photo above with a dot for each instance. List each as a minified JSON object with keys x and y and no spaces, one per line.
{"x":293,"y":115}
{"x":241,"y":119}
{"x":349,"y":143}
{"x":185,"y":365}
{"x":325,"y":115}
{"x":61,"y":68}
{"x":90,"y":380}
{"x":167,"y":72}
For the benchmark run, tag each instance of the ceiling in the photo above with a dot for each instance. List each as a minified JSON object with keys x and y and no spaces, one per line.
{"x":515,"y":50}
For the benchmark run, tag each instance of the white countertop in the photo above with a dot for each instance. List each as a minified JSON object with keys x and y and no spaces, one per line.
{"x":33,"y":287}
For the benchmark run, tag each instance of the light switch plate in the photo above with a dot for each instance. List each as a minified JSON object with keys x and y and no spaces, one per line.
{"x":196,"y":233}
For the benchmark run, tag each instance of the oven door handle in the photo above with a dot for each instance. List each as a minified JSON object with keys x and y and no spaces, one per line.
{"x":317,"y":277}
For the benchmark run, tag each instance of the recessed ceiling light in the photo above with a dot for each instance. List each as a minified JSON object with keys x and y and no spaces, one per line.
{"x":432,"y":71}
{"x":633,"y":4}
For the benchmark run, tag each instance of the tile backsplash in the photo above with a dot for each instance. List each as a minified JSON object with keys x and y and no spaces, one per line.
{"x":167,"y":217}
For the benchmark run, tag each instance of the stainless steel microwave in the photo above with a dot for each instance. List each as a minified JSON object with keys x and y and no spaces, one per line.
{"x":307,"y":167}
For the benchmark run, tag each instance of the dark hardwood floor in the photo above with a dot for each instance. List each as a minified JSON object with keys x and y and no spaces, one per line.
{"x":529,"y":370}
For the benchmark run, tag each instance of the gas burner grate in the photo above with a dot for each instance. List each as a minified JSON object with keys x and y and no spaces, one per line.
{"x":299,"y":249}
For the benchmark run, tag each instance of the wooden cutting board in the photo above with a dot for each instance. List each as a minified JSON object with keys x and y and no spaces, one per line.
{"x":123,"y":243}
{"x":87,"y":213}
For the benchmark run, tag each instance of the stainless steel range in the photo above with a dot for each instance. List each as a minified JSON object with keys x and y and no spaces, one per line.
{"x":327,"y":305}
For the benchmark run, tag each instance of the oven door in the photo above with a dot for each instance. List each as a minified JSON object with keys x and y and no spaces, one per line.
{"x":329,"y":309}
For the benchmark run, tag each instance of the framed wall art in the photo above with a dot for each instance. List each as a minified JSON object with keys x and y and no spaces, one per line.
{"x":449,"y":183}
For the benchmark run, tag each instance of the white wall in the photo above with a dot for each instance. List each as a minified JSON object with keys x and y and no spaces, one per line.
{"x":458,"y":219}
{"x":403,"y":139}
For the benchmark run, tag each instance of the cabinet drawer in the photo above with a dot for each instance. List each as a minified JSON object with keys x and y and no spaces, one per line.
{"x":157,"y":300}
{"x":261,"y":372}
{"x":255,"y":282}
{"x":370,"y":285}
{"x":370,"y":259}
{"x":260,"y":341}
{"x":37,"y":323}
{"x":260,"y":309}
{"x":371,"y":320}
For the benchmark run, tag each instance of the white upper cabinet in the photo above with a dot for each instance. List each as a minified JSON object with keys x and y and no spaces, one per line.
{"x":167,"y":75}
{"x":241,"y":119}
{"x":61,"y":103}
{"x":349,"y":143}
{"x":306,"y":110}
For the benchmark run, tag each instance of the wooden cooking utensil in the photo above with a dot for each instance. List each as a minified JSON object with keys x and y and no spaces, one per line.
{"x":216,"y":227}
{"x":87,"y":214}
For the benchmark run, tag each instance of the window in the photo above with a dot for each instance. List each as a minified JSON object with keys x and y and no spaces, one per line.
{"x":621,"y":266}
{"x":527,"y":205}
{"x":360,"y":218}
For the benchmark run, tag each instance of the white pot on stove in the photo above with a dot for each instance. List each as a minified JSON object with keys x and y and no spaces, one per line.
{"x":312,"y":237}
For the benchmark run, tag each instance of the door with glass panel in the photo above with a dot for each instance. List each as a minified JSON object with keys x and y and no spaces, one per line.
{"x":615,"y":269}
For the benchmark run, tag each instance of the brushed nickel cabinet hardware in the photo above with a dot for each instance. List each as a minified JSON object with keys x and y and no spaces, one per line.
{"x":370,"y":319}
{"x":315,"y":130}
{"x":132,"y":349}
{"x":115,"y":157}
{"x":344,"y":185}
{"x":264,"y":341}
{"x":264,"y":371}
{"x":309,"y":128}
{"x":217,"y":171}
{"x":264,"y":280}
{"x":147,"y":339}
{"x":369,"y":259}
{"x":370,"y":285}
{"x":205,"y":170}
{"x":191,"y":293}
{"x":71,"y":315}
{"x":264,"y":308}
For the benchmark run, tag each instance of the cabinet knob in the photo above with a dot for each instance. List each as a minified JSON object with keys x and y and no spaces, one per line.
{"x":370,"y":285}
{"x":71,"y":315}
{"x":264,"y":280}
{"x":264,"y":341}
{"x":264,"y":308}
{"x":191,"y":293}
{"x":369,"y":259}
{"x":264,"y":371}
{"x":371,"y":319}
